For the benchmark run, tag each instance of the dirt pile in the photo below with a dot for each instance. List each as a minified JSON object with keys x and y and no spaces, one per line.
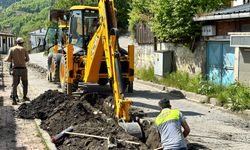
{"x":42,"y":106}
{"x":59,"y":111}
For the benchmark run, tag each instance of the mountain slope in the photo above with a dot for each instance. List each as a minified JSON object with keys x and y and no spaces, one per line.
{"x":24,"y":16}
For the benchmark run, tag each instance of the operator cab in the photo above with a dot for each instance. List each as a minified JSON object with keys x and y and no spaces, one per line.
{"x":84,"y":22}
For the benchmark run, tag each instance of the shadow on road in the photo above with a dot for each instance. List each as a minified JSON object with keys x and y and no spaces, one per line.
{"x":8,"y":128}
{"x":196,"y":146}
{"x":7,"y":120}
{"x":185,"y":113}
{"x":153,"y":95}
{"x":191,"y":113}
{"x":144,"y":105}
{"x":2,"y":86}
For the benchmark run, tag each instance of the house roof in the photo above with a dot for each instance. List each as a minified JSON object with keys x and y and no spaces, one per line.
{"x":242,"y":11}
{"x":6,"y":34}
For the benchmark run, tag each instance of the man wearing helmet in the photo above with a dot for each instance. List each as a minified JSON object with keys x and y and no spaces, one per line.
{"x":18,"y":55}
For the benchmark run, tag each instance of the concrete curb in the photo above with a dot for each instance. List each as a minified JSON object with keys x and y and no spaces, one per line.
{"x":188,"y":95}
{"x":45,"y":136}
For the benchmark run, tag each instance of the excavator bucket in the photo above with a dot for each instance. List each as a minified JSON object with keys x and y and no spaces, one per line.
{"x":132,"y":128}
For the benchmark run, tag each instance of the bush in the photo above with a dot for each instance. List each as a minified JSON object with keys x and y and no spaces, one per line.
{"x":182,"y":81}
{"x":146,"y":74}
{"x":238,"y":96}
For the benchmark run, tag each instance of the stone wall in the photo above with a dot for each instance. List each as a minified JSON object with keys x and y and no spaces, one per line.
{"x":183,"y":58}
{"x":144,"y":55}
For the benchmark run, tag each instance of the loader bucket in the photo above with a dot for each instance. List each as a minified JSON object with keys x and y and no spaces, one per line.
{"x":132,"y":128}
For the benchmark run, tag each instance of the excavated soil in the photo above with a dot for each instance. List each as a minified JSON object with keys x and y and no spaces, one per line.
{"x":88,"y":114}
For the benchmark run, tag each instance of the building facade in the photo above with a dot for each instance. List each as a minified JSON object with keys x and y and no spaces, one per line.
{"x":7,"y":40}
{"x":37,"y":38}
{"x":227,"y":37}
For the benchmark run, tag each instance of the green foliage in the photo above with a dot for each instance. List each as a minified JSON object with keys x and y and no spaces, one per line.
{"x":172,"y":20}
{"x":139,"y":13}
{"x":1,"y":9}
{"x":121,"y":5}
{"x":210,"y":89}
{"x":7,"y":3}
{"x":181,"y":80}
{"x":122,"y":13}
{"x":211,"y":5}
{"x":235,"y":96}
{"x":146,"y":74}
{"x":28,"y":15}
{"x":66,"y":4}
{"x":25,"y":16}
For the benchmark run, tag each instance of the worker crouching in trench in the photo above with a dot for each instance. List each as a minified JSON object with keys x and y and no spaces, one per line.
{"x":169,"y":123}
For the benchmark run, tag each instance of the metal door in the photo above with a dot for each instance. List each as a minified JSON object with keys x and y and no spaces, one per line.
{"x":220,"y":62}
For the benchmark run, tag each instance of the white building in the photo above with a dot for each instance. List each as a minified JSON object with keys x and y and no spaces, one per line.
{"x":7,"y":40}
{"x":37,"y":37}
{"x":240,"y":2}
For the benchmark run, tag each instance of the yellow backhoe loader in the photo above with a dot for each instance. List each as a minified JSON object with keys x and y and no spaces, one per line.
{"x":93,"y":55}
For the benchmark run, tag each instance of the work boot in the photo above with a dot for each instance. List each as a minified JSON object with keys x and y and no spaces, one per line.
{"x":16,"y":97}
{"x":14,"y":102}
{"x":25,"y":98}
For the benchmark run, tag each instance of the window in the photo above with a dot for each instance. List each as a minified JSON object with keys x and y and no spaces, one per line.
{"x":76,"y":28}
{"x":91,"y":23}
{"x":83,"y":26}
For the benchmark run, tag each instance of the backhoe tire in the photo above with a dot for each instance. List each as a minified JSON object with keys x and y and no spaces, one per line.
{"x":69,"y":88}
{"x":62,"y":74}
{"x":66,"y":87}
{"x":56,"y":65}
{"x":50,"y":57}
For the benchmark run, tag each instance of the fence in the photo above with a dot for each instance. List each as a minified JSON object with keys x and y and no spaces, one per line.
{"x":143,"y":34}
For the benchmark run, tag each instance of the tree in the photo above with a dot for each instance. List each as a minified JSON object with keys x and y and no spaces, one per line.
{"x":139,"y":13}
{"x":121,"y":5}
{"x":66,"y":4}
{"x":123,"y":8}
{"x":172,"y":20}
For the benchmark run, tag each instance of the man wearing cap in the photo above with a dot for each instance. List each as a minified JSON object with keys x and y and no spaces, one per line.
{"x":169,"y":123}
{"x":18,"y":56}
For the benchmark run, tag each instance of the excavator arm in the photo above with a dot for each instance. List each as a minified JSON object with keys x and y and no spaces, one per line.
{"x":106,"y":40}
{"x":103,"y":45}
